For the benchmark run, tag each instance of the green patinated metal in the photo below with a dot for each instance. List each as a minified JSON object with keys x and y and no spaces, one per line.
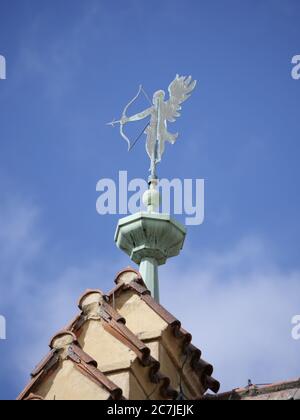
{"x":150,"y":239}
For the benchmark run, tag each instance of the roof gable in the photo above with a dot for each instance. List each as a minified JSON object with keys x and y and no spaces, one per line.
{"x":122,"y":341}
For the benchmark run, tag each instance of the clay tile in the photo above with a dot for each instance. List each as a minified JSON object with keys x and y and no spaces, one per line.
{"x":212,"y":384}
{"x":125,"y":335}
{"x":128,"y":275}
{"x":204,"y":368}
{"x":187,"y":337}
{"x":154,"y":372}
{"x":166,"y":390}
{"x":86,"y":358}
{"x":113,"y":313}
{"x":43,"y":364}
{"x":195,"y":355}
{"x":90,"y":296}
{"x":62,"y":340}
{"x":33,"y":397}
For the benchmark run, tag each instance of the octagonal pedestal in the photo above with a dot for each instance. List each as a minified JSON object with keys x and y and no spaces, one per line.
{"x":150,"y":239}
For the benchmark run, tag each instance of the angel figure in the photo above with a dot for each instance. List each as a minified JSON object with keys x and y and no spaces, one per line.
{"x":160,"y":112}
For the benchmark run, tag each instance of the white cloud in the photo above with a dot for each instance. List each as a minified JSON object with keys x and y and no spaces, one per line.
{"x":20,"y":243}
{"x":35,"y":302}
{"x":238,"y":305}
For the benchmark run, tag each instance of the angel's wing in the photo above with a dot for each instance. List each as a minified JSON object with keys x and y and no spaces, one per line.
{"x":180,"y":90}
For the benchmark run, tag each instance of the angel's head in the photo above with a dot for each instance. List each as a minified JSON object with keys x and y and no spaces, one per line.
{"x":158,"y":96}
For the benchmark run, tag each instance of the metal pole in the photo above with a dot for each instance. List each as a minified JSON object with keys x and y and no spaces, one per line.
{"x":149,"y":272}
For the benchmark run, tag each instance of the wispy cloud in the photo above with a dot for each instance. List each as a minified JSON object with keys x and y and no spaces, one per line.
{"x":238,"y":304}
{"x":35,"y":302}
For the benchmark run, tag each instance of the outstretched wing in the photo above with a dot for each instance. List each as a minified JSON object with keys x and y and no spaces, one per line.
{"x":180,"y":90}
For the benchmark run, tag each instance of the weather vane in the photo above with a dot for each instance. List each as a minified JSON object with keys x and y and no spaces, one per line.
{"x":160,"y":112}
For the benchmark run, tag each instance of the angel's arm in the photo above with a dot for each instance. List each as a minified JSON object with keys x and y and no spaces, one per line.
{"x":139,"y":116}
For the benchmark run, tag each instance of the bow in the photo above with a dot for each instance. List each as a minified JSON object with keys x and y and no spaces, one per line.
{"x":124,"y":118}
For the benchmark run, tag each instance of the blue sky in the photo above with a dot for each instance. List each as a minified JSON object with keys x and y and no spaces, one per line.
{"x":71,"y":67}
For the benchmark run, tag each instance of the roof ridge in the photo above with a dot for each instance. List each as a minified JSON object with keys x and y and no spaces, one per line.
{"x":115,"y":324}
{"x":203,"y":369}
{"x":88,"y":366}
{"x":276,"y":386}
{"x":84,"y":363}
{"x":45,"y":362}
{"x":33,"y":397}
{"x":130,"y":340}
{"x":95,"y":305}
{"x":254,"y":391}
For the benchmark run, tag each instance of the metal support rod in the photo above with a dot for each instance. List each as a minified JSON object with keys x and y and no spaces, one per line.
{"x":149,"y":272}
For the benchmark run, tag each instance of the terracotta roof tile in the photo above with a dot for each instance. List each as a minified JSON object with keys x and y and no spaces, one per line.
{"x":212,"y":384}
{"x":81,"y":356}
{"x":129,"y":269}
{"x":113,"y":313}
{"x":203,"y":369}
{"x":160,"y":310}
{"x":156,"y":376}
{"x":115,"y":290}
{"x":51,"y":359}
{"x":130,"y":340}
{"x":278,"y":391}
{"x":166,"y":390}
{"x":89,"y":292}
{"x":86,"y":365}
{"x":83,"y":362}
{"x":33,"y":397}
{"x":77,"y":323}
{"x":114,"y":323}
{"x":47,"y":369}
{"x":61,"y":334}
